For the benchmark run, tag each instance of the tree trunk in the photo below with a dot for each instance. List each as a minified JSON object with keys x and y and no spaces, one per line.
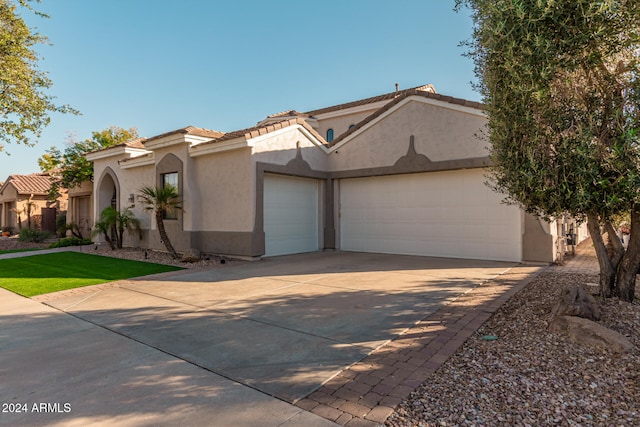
{"x":607,"y":273}
{"x":616,"y":244}
{"x":109,"y":241}
{"x":164,"y":238}
{"x":626,"y":280}
{"x":120,"y":237}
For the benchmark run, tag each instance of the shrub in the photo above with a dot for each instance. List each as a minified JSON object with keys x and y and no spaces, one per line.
{"x":70,"y":241}
{"x":61,"y":225}
{"x":30,"y":235}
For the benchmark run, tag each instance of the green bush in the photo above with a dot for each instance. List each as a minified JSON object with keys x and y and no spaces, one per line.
{"x":70,"y":241}
{"x":36,"y":236}
{"x":61,"y":225}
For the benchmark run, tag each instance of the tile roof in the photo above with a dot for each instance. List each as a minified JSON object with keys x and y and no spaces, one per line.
{"x":405,"y":94}
{"x":255,"y":131}
{"x":290,"y":113}
{"x":387,"y":96}
{"x":36,"y":183}
{"x":190,"y":130}
{"x":134,"y":143}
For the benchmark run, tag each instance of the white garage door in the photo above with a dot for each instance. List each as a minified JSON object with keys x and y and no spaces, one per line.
{"x":446,"y":214}
{"x":290,"y":215}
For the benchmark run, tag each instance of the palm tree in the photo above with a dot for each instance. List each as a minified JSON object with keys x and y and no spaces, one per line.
{"x":113,"y":223}
{"x":126,"y":220}
{"x":104,"y":227}
{"x":161,"y":200}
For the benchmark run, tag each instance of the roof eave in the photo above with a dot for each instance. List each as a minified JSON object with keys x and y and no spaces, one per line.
{"x":229,"y":145}
{"x":115,"y":151}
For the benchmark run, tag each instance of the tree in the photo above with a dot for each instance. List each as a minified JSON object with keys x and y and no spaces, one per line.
{"x":24,"y":104}
{"x":561,"y":83}
{"x":114,"y":223}
{"x":160,"y":200}
{"x":71,"y":168}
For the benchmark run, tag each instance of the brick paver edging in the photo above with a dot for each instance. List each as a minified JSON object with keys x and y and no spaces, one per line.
{"x":367,"y":392}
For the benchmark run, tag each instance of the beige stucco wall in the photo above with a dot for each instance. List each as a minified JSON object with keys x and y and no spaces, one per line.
{"x":10,"y":200}
{"x":440,"y":133}
{"x":340,"y":124}
{"x":281,"y":147}
{"x":226,"y":197}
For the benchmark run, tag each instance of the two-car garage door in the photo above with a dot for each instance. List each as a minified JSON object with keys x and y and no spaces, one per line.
{"x":445,"y":214}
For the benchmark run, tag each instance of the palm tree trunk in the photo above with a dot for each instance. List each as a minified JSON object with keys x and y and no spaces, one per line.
{"x":164,"y":238}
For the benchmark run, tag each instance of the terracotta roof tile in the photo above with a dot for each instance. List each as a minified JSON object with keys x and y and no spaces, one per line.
{"x":36,"y":183}
{"x":290,"y":113}
{"x":405,"y":94}
{"x":256,"y":131}
{"x":134,"y":143}
{"x":385,"y":97}
{"x":190,"y":130}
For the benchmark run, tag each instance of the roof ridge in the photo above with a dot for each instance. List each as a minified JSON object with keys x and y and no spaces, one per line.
{"x":406,"y":94}
{"x":428,"y":88}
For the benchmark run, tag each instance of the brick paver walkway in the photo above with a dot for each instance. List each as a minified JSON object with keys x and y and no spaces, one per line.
{"x":367,"y":392}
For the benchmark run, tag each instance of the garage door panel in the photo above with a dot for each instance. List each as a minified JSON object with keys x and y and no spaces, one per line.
{"x":452,"y":214}
{"x":290,"y":215}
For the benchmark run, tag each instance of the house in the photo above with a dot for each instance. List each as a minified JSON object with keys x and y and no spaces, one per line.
{"x":23,"y":198}
{"x":400,"y":173}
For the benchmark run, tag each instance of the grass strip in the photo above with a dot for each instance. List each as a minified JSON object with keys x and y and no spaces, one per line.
{"x":42,"y":274}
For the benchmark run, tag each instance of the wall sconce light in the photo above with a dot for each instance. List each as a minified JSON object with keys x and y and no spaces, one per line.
{"x":132,"y":198}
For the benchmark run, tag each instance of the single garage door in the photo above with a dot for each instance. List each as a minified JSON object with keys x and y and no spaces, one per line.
{"x":290,"y":215}
{"x":446,"y":214}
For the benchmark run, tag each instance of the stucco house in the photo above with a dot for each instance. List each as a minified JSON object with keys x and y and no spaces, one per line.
{"x":18,"y":191}
{"x":400,"y":173}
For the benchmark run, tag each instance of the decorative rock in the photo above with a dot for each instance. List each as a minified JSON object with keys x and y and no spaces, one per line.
{"x":584,"y":331}
{"x":191,"y":255}
{"x":575,"y":301}
{"x":593,"y":288}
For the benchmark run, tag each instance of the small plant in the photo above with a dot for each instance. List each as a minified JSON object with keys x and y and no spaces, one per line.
{"x":7,"y":230}
{"x":61,"y":225}
{"x":70,"y":241}
{"x":36,"y":236}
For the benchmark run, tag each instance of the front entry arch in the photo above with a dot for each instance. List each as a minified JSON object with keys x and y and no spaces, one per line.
{"x":108,"y":193}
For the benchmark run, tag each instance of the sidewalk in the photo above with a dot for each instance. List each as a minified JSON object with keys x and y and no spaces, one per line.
{"x":40,"y":252}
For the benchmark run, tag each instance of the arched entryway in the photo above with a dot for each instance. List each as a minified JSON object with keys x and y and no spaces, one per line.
{"x":108,"y":192}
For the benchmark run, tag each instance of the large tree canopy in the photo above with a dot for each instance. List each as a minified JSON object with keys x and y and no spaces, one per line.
{"x":560,"y":80}
{"x":24,"y":104}
{"x":71,"y":168}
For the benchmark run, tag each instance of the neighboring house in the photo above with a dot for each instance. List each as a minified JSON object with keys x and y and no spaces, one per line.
{"x":400,"y":173}
{"x":80,"y":209}
{"x":18,"y":191}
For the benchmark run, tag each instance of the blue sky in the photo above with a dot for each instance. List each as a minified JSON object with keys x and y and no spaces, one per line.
{"x":161,"y":65}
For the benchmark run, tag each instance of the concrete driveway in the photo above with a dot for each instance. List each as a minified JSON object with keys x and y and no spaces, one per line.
{"x":283,"y":325}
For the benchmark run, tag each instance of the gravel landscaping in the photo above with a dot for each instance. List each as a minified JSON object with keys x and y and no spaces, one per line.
{"x":531,"y":377}
{"x":136,"y":254}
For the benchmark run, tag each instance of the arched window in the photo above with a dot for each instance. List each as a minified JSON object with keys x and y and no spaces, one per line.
{"x":351,"y":126}
{"x":329,"y":135}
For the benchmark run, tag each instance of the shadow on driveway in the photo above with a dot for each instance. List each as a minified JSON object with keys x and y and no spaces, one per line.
{"x":283,"y":325}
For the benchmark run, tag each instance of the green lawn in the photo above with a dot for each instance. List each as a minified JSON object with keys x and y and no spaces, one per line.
{"x":41,"y":274}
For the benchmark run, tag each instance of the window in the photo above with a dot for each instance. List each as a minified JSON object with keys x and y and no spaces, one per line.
{"x":329,"y":135}
{"x":351,"y":126}
{"x":170,"y":179}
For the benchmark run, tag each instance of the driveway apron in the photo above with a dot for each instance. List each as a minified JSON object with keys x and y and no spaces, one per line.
{"x":283,"y":325}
